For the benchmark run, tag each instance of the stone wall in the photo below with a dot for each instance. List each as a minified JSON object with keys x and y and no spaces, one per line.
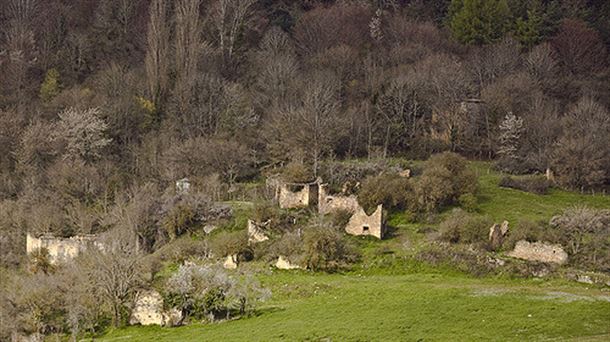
{"x":256,"y":232}
{"x":539,"y":251}
{"x":297,"y":195}
{"x":332,"y":203}
{"x":285,"y":264}
{"x":61,"y":249}
{"x":362,"y":224}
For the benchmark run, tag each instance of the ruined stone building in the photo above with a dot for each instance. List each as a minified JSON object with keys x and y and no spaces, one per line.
{"x":362,"y":224}
{"x":312,"y":195}
{"x":62,"y":249}
{"x":293,"y":195}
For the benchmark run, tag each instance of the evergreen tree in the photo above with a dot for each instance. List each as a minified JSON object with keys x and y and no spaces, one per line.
{"x":478,"y":21}
{"x":50,"y":86}
{"x":528,"y":31}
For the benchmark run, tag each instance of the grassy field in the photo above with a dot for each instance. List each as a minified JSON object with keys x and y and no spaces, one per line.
{"x":411,"y":307}
{"x":381,"y":300}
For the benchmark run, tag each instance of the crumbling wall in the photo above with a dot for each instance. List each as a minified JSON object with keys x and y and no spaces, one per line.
{"x":539,"y":251}
{"x":256,"y":232}
{"x":61,"y":249}
{"x":331,"y":203}
{"x":148,"y":310}
{"x":294,"y":196}
{"x":362,"y":224}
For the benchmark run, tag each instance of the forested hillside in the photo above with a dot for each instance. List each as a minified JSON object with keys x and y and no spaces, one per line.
{"x":147,"y":124}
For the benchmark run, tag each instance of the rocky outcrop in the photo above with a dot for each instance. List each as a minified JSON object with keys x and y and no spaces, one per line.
{"x":284,"y":264}
{"x":256,"y":232}
{"x":148,"y":310}
{"x":362,"y":224}
{"x":497,"y":233}
{"x":230,"y":262}
{"x":539,"y":251}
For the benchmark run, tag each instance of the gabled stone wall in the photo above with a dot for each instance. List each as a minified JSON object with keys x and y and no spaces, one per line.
{"x":362,"y":224}
{"x":256,"y":232}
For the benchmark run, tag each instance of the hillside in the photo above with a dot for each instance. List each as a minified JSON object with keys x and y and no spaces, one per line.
{"x":391,"y":296}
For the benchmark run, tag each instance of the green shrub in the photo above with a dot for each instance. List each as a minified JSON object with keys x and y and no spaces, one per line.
{"x":536,"y":185}
{"x":528,"y":231}
{"x":461,"y":227}
{"x":232,"y":243}
{"x":295,"y":172}
{"x":468,"y":202}
{"x":325,"y":249}
{"x":445,"y":178}
{"x":388,"y":189}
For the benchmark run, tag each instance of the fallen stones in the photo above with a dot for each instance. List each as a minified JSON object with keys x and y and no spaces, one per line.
{"x":148,"y":310}
{"x":256,"y":232}
{"x":230,"y":262}
{"x":285,"y":264}
{"x":539,"y":251}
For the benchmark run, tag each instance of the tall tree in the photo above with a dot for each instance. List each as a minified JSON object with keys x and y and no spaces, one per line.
{"x":156,"y":61}
{"x":478,"y":21}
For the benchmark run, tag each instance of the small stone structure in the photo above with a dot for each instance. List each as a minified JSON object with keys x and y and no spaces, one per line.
{"x":148,"y":310}
{"x":550,"y":176}
{"x":183,"y":186}
{"x":297,"y":195}
{"x":539,"y":251}
{"x":230,"y":262}
{"x":497,"y":233}
{"x":284,"y":264}
{"x":61,"y":249}
{"x":256,"y":232}
{"x":332,"y":203}
{"x":362,"y":224}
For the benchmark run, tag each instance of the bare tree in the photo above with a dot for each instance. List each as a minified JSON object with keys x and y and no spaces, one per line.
{"x":229,"y":18}
{"x":115,"y":271}
{"x":188,"y":46}
{"x":313,"y":125}
{"x":156,"y":61}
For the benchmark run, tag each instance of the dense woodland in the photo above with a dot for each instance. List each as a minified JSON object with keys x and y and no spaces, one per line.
{"x":105,"y":104}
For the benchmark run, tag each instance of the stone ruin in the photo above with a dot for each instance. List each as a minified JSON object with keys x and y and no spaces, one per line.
{"x":293,"y":195}
{"x":497,"y":233}
{"x":148,"y":310}
{"x":304,"y":195}
{"x":285,"y":264}
{"x":539,"y":251}
{"x":332,"y":203}
{"x":230,"y":262}
{"x":363,"y":224}
{"x":62,"y":249}
{"x":256,"y":231}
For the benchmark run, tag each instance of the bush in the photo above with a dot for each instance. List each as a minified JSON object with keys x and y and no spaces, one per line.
{"x":585,"y":233}
{"x":388,"y":189}
{"x":232,"y":243}
{"x":461,"y":227}
{"x":205,"y":291}
{"x":535,"y":185}
{"x":468,"y":202}
{"x":445,"y":178}
{"x":325,"y":249}
{"x":295,"y":172}
{"x":528,"y":231}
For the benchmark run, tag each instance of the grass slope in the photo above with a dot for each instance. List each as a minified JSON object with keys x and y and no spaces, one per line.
{"x":414,"y":307}
{"x":381,"y":301}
